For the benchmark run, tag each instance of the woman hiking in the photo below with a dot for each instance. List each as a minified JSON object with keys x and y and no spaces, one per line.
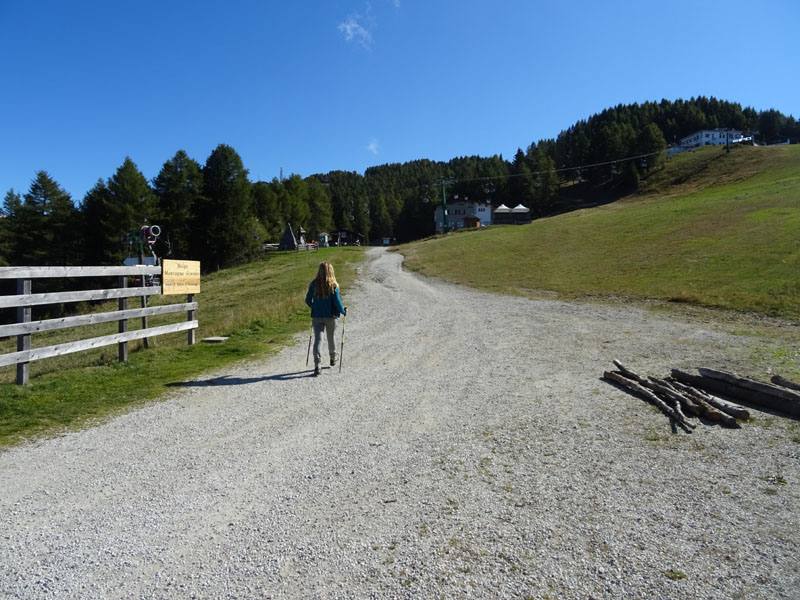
{"x":326,"y":306}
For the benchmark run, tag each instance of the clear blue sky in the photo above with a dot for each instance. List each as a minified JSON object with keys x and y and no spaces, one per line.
{"x":315,"y":86}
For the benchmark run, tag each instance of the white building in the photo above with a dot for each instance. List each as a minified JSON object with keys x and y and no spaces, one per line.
{"x":712,"y":137}
{"x":463,"y":213}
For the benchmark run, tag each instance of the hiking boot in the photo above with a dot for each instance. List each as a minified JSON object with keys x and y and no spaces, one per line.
{"x":333,"y":362}
{"x":316,"y":371}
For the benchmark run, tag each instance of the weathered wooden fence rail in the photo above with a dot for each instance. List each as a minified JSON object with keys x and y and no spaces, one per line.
{"x":24,"y":299}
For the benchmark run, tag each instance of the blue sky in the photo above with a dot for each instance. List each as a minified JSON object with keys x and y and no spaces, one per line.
{"x":311,"y":87}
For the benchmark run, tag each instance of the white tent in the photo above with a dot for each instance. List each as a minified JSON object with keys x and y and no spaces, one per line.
{"x":520,"y":209}
{"x":502,"y":209}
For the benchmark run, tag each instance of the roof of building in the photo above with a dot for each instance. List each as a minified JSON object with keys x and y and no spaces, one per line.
{"x":502,"y":209}
{"x":520,"y":209}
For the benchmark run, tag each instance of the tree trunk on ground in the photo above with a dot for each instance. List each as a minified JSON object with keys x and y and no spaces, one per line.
{"x":642,"y":391}
{"x":787,"y":383}
{"x":729,"y":385}
{"x":713,"y":402}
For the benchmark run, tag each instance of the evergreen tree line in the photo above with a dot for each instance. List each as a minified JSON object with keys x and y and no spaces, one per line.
{"x":215,"y":214}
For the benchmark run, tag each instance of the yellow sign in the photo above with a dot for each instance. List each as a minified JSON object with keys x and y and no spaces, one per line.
{"x":180,"y":277}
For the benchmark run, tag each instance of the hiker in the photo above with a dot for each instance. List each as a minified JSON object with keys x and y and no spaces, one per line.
{"x":326,"y":306}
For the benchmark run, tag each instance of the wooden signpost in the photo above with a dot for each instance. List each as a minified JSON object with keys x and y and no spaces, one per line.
{"x":180,"y":277}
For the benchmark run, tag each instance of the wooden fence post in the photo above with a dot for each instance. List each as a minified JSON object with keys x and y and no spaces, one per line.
{"x":23,"y":340}
{"x":145,"y":341}
{"x":191,"y":332}
{"x":123,"y":323}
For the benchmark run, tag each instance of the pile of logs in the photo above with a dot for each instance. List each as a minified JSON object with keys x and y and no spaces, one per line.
{"x":697,"y":395}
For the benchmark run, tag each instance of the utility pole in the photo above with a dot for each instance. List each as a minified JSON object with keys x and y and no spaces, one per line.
{"x":443,"y":181}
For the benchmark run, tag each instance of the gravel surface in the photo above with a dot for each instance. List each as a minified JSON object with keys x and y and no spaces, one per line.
{"x":468,"y":449}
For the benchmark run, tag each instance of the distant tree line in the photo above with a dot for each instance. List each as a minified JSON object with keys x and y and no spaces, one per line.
{"x":215,"y":214}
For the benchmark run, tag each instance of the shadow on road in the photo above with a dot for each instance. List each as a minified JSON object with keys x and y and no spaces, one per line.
{"x":228,"y":380}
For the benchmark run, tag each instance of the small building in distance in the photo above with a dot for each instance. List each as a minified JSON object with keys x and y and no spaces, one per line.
{"x":288,"y":241}
{"x":346,"y":237}
{"x":503,"y":215}
{"x":463,"y":213}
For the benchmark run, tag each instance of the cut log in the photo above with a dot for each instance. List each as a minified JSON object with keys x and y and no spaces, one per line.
{"x":732,"y":390}
{"x":661,"y":387}
{"x":710,"y":410}
{"x":628,"y":373}
{"x":712,"y":401}
{"x":642,"y":391}
{"x":783,"y":382}
{"x":752,"y":384}
{"x":704,"y":408}
{"x":664,"y":388}
{"x":676,"y":406}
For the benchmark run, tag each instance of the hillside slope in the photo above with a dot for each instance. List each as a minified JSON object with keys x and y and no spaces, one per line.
{"x":711,"y":228}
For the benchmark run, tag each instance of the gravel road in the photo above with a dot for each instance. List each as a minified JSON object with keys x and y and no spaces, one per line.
{"x":468,"y":449}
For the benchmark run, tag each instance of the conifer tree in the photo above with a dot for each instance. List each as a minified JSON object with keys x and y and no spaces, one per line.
{"x":130,"y":205}
{"x":651,"y":141}
{"x":226,"y":211}
{"x":545,"y":180}
{"x":319,"y":204}
{"x":179,"y":187}
{"x":94,"y":213}
{"x":295,"y":208}
{"x":266,"y":207}
{"x":380,"y":218}
{"x":48,"y":224}
{"x":12,"y":202}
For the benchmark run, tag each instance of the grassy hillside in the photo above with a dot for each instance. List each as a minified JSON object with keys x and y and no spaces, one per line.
{"x":259,"y":305}
{"x":712,"y":228}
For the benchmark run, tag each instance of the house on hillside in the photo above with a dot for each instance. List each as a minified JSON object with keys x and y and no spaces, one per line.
{"x":463,"y":213}
{"x":712,"y":137}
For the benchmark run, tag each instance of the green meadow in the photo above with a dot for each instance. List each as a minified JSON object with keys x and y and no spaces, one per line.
{"x":711,"y":229}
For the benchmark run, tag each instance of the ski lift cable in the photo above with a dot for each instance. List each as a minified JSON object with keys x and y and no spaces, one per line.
{"x":561,"y":170}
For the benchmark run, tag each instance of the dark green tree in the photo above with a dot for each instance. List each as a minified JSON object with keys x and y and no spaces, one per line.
{"x":651,"y":142}
{"x":348,"y":193}
{"x":319,"y":204}
{"x":131,"y":205}
{"x":48,"y":225}
{"x":266,"y":205}
{"x":226,"y":211}
{"x":9,"y":242}
{"x":94,"y":213}
{"x":179,"y":187}
{"x":522,"y":181}
{"x":545,"y":180}
{"x":380,"y":217}
{"x":295,"y":208}
{"x":771,"y":124}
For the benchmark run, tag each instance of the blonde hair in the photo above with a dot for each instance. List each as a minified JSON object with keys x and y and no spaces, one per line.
{"x":325,"y":283}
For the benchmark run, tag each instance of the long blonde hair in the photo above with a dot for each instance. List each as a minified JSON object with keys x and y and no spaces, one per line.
{"x":325,"y":282}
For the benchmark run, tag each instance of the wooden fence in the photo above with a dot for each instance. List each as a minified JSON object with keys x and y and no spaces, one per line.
{"x":25,"y":299}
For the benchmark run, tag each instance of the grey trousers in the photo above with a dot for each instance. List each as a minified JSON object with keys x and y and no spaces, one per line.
{"x":329,"y":327}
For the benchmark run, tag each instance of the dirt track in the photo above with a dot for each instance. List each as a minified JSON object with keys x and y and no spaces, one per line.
{"x":468,"y":448}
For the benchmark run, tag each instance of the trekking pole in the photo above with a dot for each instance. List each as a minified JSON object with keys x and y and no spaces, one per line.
{"x":311,"y":333}
{"x":341,"y":352}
